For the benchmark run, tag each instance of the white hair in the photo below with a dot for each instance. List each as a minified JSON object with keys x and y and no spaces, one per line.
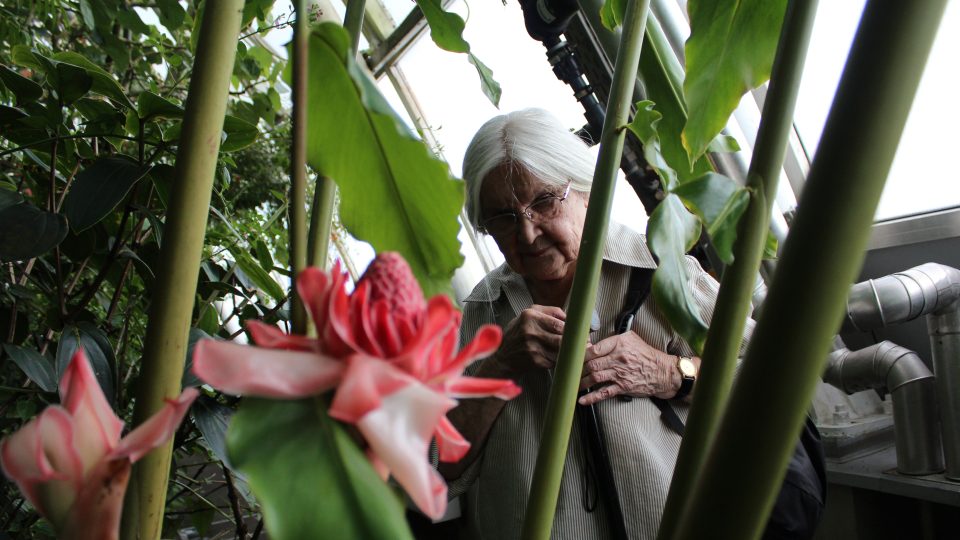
{"x":532,"y":139}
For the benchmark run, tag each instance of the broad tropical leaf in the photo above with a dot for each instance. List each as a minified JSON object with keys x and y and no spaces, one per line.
{"x":394,"y":193}
{"x":26,"y":232}
{"x":99,"y":188}
{"x":26,"y":90}
{"x":150,"y":106}
{"x":730,"y":50}
{"x":719,"y":202}
{"x":293,"y":456}
{"x":446,"y":30}
{"x":98,"y":350}
{"x":36,"y":367}
{"x":103,"y":83}
{"x":259,"y":276}
{"x":671,"y":233}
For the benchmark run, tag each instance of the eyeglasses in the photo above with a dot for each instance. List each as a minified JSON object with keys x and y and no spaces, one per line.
{"x":543,"y":208}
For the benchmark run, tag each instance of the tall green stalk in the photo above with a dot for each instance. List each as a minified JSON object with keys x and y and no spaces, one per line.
{"x":353,"y":22}
{"x":545,"y":487}
{"x":173,"y":298}
{"x":744,"y":469}
{"x":298,"y":163}
{"x":321,"y":221}
{"x":733,"y":301}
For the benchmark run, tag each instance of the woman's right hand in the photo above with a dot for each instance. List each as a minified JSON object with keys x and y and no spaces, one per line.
{"x":531,"y":341}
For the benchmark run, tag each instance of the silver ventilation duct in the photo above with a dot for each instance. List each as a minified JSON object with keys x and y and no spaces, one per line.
{"x":891,"y":368}
{"x":933,"y":290}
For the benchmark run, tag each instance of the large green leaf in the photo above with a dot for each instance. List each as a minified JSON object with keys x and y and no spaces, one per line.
{"x":151,"y":106}
{"x":26,"y":90}
{"x":672,"y":231}
{"x":103,"y":83}
{"x":662,"y":77}
{"x":27,"y":232}
{"x":446,"y":30}
{"x":37,"y":368}
{"x":730,"y":50}
{"x":99,"y":188}
{"x":189,"y":379}
{"x":240,"y":134}
{"x":73,"y":83}
{"x":9,"y":198}
{"x":258,"y":275}
{"x":98,"y":350}
{"x":394,"y":193}
{"x":644,"y":126}
{"x":309,"y":476}
{"x":719,"y":202}
{"x":171,"y":14}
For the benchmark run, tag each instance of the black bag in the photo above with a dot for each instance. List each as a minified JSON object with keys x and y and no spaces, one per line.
{"x":803,"y":495}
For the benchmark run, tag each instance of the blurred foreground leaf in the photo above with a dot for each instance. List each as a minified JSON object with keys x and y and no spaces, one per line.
{"x":310,"y":477}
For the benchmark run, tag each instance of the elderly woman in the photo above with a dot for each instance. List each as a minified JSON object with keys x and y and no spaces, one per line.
{"x":528,"y":180}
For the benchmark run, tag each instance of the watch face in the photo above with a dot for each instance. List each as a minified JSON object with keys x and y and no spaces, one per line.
{"x":687,"y":367}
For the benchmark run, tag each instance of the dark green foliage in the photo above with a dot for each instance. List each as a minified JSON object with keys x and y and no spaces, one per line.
{"x":91,"y":99}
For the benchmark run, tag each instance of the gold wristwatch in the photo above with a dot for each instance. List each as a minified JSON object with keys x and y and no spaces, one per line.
{"x":688,"y":375}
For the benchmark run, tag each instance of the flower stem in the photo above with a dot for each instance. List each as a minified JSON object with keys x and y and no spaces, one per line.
{"x":173,"y":298}
{"x":298,"y":164}
{"x":733,"y":301}
{"x":562,"y":402}
{"x":758,"y":431}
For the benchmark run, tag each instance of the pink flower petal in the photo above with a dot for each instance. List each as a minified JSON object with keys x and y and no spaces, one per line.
{"x":387,"y":332}
{"x":314,"y":287}
{"x":399,"y":433}
{"x":41,"y":459}
{"x":440,"y":318}
{"x":157,"y":429}
{"x":95,"y":515}
{"x":485,"y":342}
{"x":365,"y":383}
{"x":97,"y":429}
{"x":241,"y":369}
{"x":450,"y":443}
{"x":271,"y":337}
{"x":476,"y":387}
{"x":363,"y":327}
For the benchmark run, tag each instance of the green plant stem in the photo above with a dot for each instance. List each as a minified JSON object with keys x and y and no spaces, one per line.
{"x":172,"y":306}
{"x":545,"y":486}
{"x":733,"y":302}
{"x":821,"y":257}
{"x":321,"y":221}
{"x":298,"y":164}
{"x":353,"y":22}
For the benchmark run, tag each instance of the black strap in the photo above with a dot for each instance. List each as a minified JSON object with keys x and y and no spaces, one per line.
{"x":638,"y":289}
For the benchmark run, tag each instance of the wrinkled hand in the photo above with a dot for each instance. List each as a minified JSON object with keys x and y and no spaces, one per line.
{"x":531,"y":341}
{"x":625,"y":364}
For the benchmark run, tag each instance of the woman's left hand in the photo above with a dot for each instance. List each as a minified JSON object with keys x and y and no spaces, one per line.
{"x":625,"y":364}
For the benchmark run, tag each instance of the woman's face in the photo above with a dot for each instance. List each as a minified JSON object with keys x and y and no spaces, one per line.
{"x":543,"y":251}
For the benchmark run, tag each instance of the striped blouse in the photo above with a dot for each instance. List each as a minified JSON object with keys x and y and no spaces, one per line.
{"x":495,"y":487}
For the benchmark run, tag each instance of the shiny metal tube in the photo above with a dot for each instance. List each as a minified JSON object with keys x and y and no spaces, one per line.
{"x":930,"y":289}
{"x":902,"y":296}
{"x":944,"y":331}
{"x":899,"y":371}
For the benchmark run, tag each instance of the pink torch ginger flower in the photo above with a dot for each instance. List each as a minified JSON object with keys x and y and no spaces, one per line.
{"x":392,"y":358}
{"x":70,"y":461}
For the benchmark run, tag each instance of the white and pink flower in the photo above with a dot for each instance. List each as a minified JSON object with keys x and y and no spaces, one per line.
{"x":390,"y":354}
{"x":70,"y":461}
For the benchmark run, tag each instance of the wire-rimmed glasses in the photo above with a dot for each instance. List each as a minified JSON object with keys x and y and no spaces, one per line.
{"x":543,"y":208}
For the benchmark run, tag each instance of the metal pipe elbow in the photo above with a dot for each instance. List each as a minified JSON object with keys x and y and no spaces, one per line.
{"x":901,"y":297}
{"x":884,"y":366}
